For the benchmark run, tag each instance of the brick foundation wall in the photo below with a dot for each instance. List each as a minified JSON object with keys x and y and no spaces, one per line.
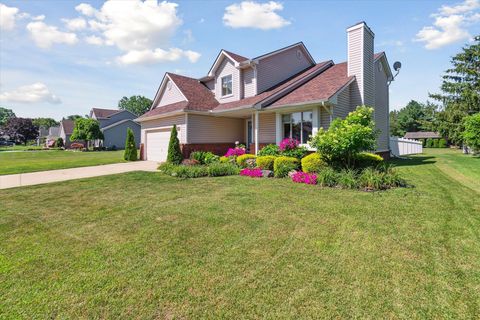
{"x":216,"y":148}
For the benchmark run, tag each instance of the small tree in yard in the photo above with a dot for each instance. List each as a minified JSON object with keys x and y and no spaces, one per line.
{"x":346,"y":138}
{"x":59,"y":143}
{"x":471,"y":134}
{"x":130,"y":153}
{"x":86,"y":130}
{"x":174,"y":153}
{"x":20,"y":129}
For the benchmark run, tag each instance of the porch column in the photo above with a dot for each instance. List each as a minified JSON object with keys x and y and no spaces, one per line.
{"x":278,"y":128}
{"x":256,"y":131}
{"x":315,"y":120}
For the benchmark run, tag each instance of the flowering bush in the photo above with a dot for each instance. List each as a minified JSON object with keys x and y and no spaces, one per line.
{"x":253,"y":173}
{"x":289,"y":144}
{"x":303,"y":177}
{"x":235,"y":152}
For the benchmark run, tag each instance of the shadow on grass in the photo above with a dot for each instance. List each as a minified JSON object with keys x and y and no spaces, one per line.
{"x":412,"y":161}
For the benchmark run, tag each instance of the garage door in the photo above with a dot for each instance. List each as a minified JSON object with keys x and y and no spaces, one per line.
{"x":157,"y":145}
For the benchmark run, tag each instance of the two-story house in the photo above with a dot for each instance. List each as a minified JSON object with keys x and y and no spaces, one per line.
{"x":258,"y":101}
{"x":114,"y":125}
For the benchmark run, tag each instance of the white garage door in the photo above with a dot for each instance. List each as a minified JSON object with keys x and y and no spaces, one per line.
{"x":157,"y":145}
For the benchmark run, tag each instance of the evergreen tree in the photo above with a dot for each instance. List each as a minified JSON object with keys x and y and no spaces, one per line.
{"x":130,"y":153}
{"x":174,"y":153}
{"x":460,"y":94}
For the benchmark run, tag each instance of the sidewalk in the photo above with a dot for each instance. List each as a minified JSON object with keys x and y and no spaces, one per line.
{"x":28,"y":179}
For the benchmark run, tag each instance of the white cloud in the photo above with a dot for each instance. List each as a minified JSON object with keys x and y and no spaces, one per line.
{"x":7,"y":17}
{"x":141,"y":29}
{"x":94,"y":40}
{"x":38,"y":18}
{"x":75,"y":24}
{"x":45,"y":36}
{"x":158,"y":55}
{"x":34,"y":93}
{"x":250,"y":14}
{"x":450,"y":25}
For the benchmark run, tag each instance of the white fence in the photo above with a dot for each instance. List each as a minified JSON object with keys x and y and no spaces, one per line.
{"x":402,"y":146}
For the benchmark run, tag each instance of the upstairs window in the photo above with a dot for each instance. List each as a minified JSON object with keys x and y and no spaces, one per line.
{"x":227,"y":85}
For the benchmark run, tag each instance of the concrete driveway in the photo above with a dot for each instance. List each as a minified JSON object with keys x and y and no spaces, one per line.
{"x":28,"y":179}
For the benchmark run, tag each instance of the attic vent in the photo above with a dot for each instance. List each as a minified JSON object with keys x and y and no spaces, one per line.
{"x":169,"y":85}
{"x":299,"y":54}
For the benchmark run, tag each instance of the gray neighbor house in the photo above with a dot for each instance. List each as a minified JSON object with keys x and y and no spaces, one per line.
{"x":114,"y":125}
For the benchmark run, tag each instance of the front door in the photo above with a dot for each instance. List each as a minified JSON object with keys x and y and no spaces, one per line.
{"x":249,"y":133}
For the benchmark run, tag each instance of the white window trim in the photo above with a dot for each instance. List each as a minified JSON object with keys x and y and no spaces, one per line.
{"x":301,"y":124}
{"x":221,"y":86}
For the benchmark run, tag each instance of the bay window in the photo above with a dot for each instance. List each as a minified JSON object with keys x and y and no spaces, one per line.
{"x":298,"y":126}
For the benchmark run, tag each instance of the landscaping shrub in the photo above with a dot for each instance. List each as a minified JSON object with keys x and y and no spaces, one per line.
{"x":189,"y":171}
{"x":303,"y":177}
{"x":290,"y":148}
{"x":235,"y":152}
{"x":174,"y":153}
{"x":371,"y":179}
{"x":269,"y":150}
{"x":313,"y":163}
{"x":242,"y":160}
{"x":442,"y":143}
{"x":391,"y":178}
{"x":435,"y":143}
{"x":367,"y":159}
{"x":347,"y":179}
{"x":471,"y":135}
{"x":130,"y":153}
{"x":347,"y":137}
{"x":222,"y":169}
{"x":199,"y":156}
{"x":252,"y":172}
{"x":288,"y":144}
{"x":210,"y":158}
{"x":327,"y":177}
{"x":166,"y":168}
{"x":59,"y":143}
{"x":224,"y":159}
{"x":76,"y":145}
{"x":283,"y":165}
{"x":265,"y":162}
{"x":429,"y":143}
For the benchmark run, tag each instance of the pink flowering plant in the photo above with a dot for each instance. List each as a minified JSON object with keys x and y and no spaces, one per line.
{"x":289,"y":144}
{"x":303,"y":177}
{"x":253,"y":173}
{"x":235,"y":152}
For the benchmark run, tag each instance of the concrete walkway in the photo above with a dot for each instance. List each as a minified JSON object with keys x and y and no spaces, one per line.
{"x":28,"y":179}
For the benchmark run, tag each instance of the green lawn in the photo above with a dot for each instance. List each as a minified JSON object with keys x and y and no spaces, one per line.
{"x":20,"y":147}
{"x":30,"y":161}
{"x":142,"y":245}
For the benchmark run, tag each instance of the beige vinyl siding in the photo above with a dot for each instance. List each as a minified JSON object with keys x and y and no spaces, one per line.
{"x":210,"y":84}
{"x":343,"y":106}
{"x":249,"y":83}
{"x":276,"y":68}
{"x":266,"y":129}
{"x":227,"y":68}
{"x":179,"y":120}
{"x":355,"y":62}
{"x":209,"y":129}
{"x":381,"y":107}
{"x":170,"y":95}
{"x":324,"y":118}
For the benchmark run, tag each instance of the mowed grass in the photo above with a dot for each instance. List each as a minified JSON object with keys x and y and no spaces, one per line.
{"x":31,"y":161}
{"x":142,"y":245}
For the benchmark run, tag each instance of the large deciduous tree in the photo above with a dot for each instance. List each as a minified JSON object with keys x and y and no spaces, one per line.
{"x":5,"y":114}
{"x":471,"y":135}
{"x":460,"y":92}
{"x":45,"y":122}
{"x":86,"y":129}
{"x":20,"y":129}
{"x":135,"y":104}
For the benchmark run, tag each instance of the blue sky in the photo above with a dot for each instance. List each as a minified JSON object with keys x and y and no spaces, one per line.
{"x":64,"y":57}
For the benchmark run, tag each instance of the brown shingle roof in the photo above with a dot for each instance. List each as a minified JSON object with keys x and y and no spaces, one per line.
{"x":177,"y":106}
{"x":198,"y":95}
{"x":104,"y":113}
{"x":321,"y":87}
{"x":68,"y":126}
{"x":236,"y":57}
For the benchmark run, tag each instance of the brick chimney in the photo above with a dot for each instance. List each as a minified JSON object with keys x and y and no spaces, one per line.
{"x":360,"y":64}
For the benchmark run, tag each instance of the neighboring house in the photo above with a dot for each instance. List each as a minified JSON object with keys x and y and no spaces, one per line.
{"x":422,"y":135}
{"x":114,"y":125}
{"x":284,"y":93}
{"x":42,"y":135}
{"x":66,"y":130}
{"x":53,"y":135}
